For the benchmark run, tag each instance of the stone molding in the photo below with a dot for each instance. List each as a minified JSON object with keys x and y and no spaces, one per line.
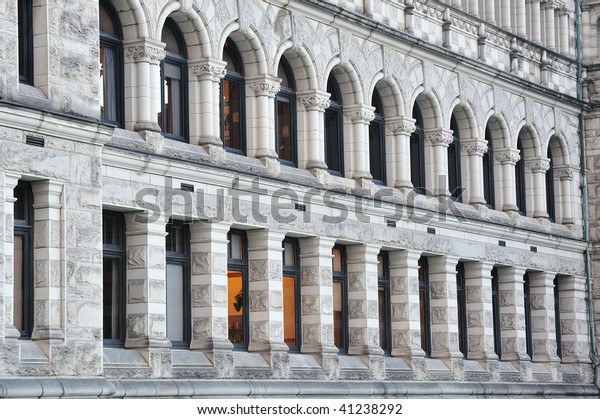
{"x":538,"y":164}
{"x":441,"y":137}
{"x":211,"y":70}
{"x":360,"y":113}
{"x":507,"y":155}
{"x":315,"y":101}
{"x":401,"y":125}
{"x":265,"y":86}
{"x":563,"y":173}
{"x":144,"y":52}
{"x":474,"y":148}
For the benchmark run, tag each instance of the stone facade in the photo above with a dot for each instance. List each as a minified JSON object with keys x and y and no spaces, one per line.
{"x":519,"y":81}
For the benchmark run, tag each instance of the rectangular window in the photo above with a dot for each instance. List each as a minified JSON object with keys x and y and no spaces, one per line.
{"x":178,"y":284}
{"x":557,"y":318}
{"x":526,"y":302}
{"x":496,"y":314}
{"x":231,"y":113}
{"x":237,"y":289}
{"x":424,"y":306}
{"x":383,"y":302}
{"x":23,"y":259}
{"x":25,"y":22}
{"x":113,"y":283}
{"x":291,"y":294}
{"x":461,"y":297}
{"x":340,"y":299}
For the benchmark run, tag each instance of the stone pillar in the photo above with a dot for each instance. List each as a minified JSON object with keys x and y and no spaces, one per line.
{"x":565,"y":175}
{"x":508,"y":158}
{"x":444,"y":307}
{"x":49,"y":277}
{"x":480,"y":314}
{"x":543,"y":329}
{"x":143,"y":57}
{"x":550,"y":30}
{"x":265,"y":290}
{"x":574,"y":320}
{"x":436,"y":169}
{"x":457,"y":4}
{"x":401,"y":129}
{"x":564,"y":32}
{"x":475,"y":149}
{"x":490,"y":11}
{"x":360,"y":115}
{"x":311,"y":144}
{"x":317,"y":301}
{"x":363,"y":316}
{"x":208,"y":253}
{"x":536,"y":31}
{"x":512,"y":314}
{"x":474,"y":7}
{"x":521,"y":23}
{"x":406,"y":314}
{"x":539,"y":166}
{"x":505,"y":21}
{"x":265,"y":89}
{"x":146,"y":284}
{"x":204,"y":88}
{"x":7,"y":327}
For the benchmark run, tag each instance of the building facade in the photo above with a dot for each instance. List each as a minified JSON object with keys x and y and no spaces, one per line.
{"x":310,"y":197}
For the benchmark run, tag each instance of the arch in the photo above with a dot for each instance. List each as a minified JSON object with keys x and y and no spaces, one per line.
{"x":430,"y":110}
{"x":465,"y":119}
{"x":250,"y":48}
{"x":300,"y":63}
{"x":133,"y":17}
{"x":499,"y":131}
{"x":530,"y":141}
{"x":390,"y":95}
{"x":191,"y":26}
{"x":348,"y":83}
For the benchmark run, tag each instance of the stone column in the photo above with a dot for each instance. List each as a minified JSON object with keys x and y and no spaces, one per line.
{"x":208,"y":252}
{"x":490,"y":11}
{"x":475,"y":149}
{"x":512,"y":314}
{"x":536,"y":31}
{"x":521,"y":23}
{"x":574,"y":320}
{"x":508,"y":158}
{"x":311,"y":144}
{"x":550,"y":30}
{"x":564,"y":32}
{"x":401,"y":129}
{"x":265,"y":89}
{"x":474,"y":7}
{"x":204,"y":88}
{"x":436,"y":170}
{"x":49,"y":282}
{"x":565,"y":174}
{"x":457,"y":4}
{"x":539,"y":166}
{"x":7,"y":327}
{"x":360,"y":115}
{"x":265,"y":289}
{"x":317,"y":301}
{"x":143,"y":57}
{"x":444,"y":307}
{"x":363,"y":315}
{"x":505,"y":21}
{"x":406,"y":313}
{"x":543,"y":329}
{"x":146,"y":284}
{"x":480,"y":314}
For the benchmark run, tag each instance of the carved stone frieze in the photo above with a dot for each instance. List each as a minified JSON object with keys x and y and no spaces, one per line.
{"x":439,"y":138}
{"x":209,"y":71}
{"x":539,"y":165}
{"x":477,"y":148}
{"x":146,"y":53}
{"x":315,"y":102}
{"x":507,"y":155}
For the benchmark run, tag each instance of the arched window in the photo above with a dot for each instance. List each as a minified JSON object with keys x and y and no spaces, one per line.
{"x":417,"y":153}
{"x":488,"y":171}
{"x":334,"y":139}
{"x":114,"y":278}
{"x":111,"y":67}
{"x":377,"y":140}
{"x":232,"y":100}
{"x":285,"y":103}
{"x":454,"y":176}
{"x":520,"y":180}
{"x":174,"y":115}
{"x":550,"y":196}
{"x":23,"y":259}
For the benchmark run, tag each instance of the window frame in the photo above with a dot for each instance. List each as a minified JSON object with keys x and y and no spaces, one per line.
{"x":383,"y":284}
{"x":489,"y":193}
{"x":496,"y":313}
{"x":118,"y":253}
{"x":182,"y":259}
{"x":294,"y":272}
{"x":461,"y":300}
{"x":417,"y":149}
{"x":527,"y":305}
{"x":116,"y":43}
{"x":289,"y":94}
{"x":334,"y":110}
{"x":425,"y":308}
{"x":520,"y":186}
{"x":557,"y":325}
{"x":377,"y":142}
{"x":454,"y":176}
{"x":550,"y":191}
{"x":25,"y":41}
{"x":230,"y":49}
{"x":240,"y":265}
{"x":342,"y":279}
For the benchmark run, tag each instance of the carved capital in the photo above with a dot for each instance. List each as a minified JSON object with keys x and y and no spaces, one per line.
{"x":507,"y":155}
{"x":265,"y":87}
{"x":440,"y":137}
{"x":475,"y":148}
{"x":401,"y":125}
{"x":209,"y":71}
{"x":563,"y":173}
{"x":360,"y":113}
{"x":315,"y":102}
{"x":150,"y":53}
{"x":538,"y":165}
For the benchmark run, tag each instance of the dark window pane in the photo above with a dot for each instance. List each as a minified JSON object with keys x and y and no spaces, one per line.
{"x":18,"y":282}
{"x":376,"y":154}
{"x":110,"y":296}
{"x":382,"y":310}
{"x":332,"y":146}
{"x":108,"y":81}
{"x":285,"y":146}
{"x":25,"y":22}
{"x":175,"y":302}
{"x":232,"y":114}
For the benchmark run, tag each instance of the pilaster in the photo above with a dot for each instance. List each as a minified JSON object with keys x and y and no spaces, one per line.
{"x":512,"y":314}
{"x":475,"y":149}
{"x":262,"y":144}
{"x":508,"y":158}
{"x":539,"y":166}
{"x":574,"y":320}
{"x":541,"y":289}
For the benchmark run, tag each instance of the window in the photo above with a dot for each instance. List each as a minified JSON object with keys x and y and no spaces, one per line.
{"x":23,"y":259}
{"x":178,"y":284}
{"x":340,"y":299}
{"x":237,"y":289}
{"x":25,"y":22}
{"x":557,"y":326}
{"x":527,"y":304}
{"x":488,"y":171}
{"x":550,"y":197}
{"x":377,"y":140}
{"x":285,"y":103}
{"x":232,"y":100}
{"x":113,"y":282}
{"x":424,"y":305}
{"x":454,"y":176}
{"x":384,"y":303}
{"x":111,"y":67}
{"x":417,"y":153}
{"x":496,"y":313}
{"x":291,"y":294}
{"x":334,"y":147}
{"x":173,"y":116}
{"x":461,"y":299}
{"x":520,"y":180}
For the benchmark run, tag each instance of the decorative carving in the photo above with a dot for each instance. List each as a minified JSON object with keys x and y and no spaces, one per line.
{"x":209,"y":71}
{"x":474,"y":149}
{"x":265,"y":87}
{"x":360,"y":115}
{"x":563,"y":173}
{"x":406,"y":127}
{"x":439,"y":138}
{"x":315,"y":103}
{"x":539,"y":165}
{"x":510,"y":156}
{"x":143,"y":52}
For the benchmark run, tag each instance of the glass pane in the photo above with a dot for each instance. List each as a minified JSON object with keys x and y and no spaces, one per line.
{"x":452,"y":169}
{"x":337,"y":260}
{"x":415,"y":160}
{"x":169,"y":38}
{"x":487,"y":179}
{"x":332,"y":151}
{"x":106,"y":23}
{"x":338,"y":321}
{"x":20,"y":204}
{"x":376,"y":150}
{"x":111,"y":231}
{"x":423,"y":318}
{"x":380,"y":267}
{"x":110,"y":296}
{"x":284,"y":128}
{"x":175,"y":239}
{"x":288,"y":254}
{"x":175,"y":321}
{"x":289,"y":311}
{"x":235,"y":306}
{"x":236,"y":248}
{"x":383,"y":329}
{"x":108,"y":82}
{"x":232,"y":113}
{"x":172,"y":117}
{"x":281,"y":73}
{"x":18,"y":280}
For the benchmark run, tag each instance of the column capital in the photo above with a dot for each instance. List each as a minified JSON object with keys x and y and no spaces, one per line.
{"x":474,"y":147}
{"x":145,"y":50}
{"x":360,"y":113}
{"x":538,"y":164}
{"x":314,"y":100}
{"x":439,"y":136}
{"x":265,"y":85}
{"x":401,"y":125}
{"x":563,"y":172}
{"x":507,"y":155}
{"x":208,"y":69}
